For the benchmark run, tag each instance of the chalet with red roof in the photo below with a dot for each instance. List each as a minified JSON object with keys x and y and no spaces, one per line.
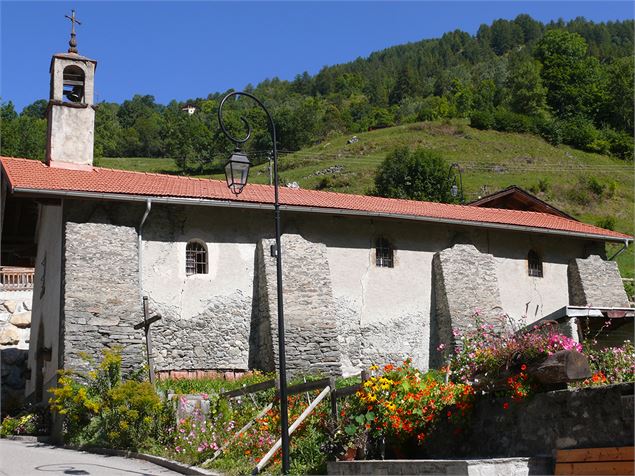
{"x":367,"y":279}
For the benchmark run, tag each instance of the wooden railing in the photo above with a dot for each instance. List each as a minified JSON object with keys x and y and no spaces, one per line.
{"x":16,"y":279}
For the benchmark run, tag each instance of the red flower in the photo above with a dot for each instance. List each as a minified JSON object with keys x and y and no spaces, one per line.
{"x":523,"y":367}
{"x":505,"y":406}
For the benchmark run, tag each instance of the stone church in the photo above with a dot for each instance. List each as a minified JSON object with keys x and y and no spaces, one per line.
{"x":366,"y":279}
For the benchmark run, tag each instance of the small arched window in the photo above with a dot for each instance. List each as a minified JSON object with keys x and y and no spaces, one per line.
{"x":384,"y":253}
{"x":534,"y":264}
{"x":73,"y":84}
{"x":195,"y":258}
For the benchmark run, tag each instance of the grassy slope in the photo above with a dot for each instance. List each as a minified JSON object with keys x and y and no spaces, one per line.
{"x":490,"y":159}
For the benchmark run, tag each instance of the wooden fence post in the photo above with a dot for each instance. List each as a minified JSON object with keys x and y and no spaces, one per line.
{"x":333,"y":399}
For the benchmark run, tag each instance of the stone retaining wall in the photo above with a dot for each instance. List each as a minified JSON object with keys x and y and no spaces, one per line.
{"x":15,"y":333}
{"x":592,"y":417}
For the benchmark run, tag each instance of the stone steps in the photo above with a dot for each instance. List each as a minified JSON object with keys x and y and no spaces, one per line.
{"x":471,"y":467}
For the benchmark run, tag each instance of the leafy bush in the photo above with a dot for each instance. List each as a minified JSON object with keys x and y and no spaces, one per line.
{"x":417,"y":175}
{"x":549,"y":129}
{"x":608,"y":223}
{"x":507,"y":121}
{"x":24,"y":425}
{"x":101,"y":409}
{"x":620,"y":143}
{"x":579,"y":132}
{"x":482,"y":120}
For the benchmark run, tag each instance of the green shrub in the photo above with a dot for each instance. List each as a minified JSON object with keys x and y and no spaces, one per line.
{"x":580,"y":132}
{"x":507,"y":121}
{"x":608,"y":223}
{"x":482,"y":120}
{"x":595,"y":186}
{"x":101,"y":409}
{"x":549,"y":129}
{"x":416,"y":175}
{"x":24,"y":425}
{"x":620,"y":143}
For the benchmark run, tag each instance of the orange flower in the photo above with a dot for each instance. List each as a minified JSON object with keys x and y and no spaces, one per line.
{"x":388,"y":367}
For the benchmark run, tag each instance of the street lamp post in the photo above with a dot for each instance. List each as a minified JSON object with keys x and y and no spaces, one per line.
{"x":236,"y":173}
{"x":456,"y":189}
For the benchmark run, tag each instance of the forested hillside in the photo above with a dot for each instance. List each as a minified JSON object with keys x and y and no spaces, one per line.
{"x":569,"y":82}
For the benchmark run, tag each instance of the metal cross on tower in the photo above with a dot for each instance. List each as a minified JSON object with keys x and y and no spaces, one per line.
{"x":73,"y":41}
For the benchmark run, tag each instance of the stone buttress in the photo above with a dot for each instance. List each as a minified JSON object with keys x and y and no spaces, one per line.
{"x":309,"y":315}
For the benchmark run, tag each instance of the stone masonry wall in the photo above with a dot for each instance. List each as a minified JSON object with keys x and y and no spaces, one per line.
{"x":592,"y":417}
{"x":15,"y":324}
{"x":310,"y":326}
{"x":101,"y":295}
{"x":595,"y":282}
{"x":217,"y":338}
{"x":464,"y":281}
{"x":379,"y":342}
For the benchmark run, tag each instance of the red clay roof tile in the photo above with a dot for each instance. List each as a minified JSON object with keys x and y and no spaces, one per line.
{"x":35,"y":175}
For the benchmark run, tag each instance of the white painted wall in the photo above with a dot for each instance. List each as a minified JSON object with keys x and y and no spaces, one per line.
{"x":46,"y":302}
{"x":524,"y":295}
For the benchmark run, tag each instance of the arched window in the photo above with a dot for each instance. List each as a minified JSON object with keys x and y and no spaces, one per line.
{"x":195,"y":258}
{"x":384,"y":253}
{"x":73,"y":84}
{"x":534,"y":264}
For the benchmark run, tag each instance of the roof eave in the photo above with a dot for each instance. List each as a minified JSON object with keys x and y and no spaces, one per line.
{"x":309,"y":209}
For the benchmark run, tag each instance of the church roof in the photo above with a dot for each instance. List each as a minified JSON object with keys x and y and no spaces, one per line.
{"x":515,"y":198}
{"x":36,"y":178}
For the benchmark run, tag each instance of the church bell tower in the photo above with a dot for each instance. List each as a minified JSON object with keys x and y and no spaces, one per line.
{"x":71,"y":111}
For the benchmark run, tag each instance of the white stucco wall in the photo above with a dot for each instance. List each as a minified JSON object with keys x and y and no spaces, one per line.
{"x":46,"y":295}
{"x":524,"y":295}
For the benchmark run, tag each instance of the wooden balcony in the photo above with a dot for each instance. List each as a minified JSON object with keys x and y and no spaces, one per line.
{"x":16,"y":279}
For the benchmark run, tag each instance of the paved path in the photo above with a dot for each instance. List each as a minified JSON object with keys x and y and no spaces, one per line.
{"x":22,"y":458}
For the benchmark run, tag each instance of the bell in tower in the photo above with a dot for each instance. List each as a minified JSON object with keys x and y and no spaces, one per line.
{"x":71,"y":112}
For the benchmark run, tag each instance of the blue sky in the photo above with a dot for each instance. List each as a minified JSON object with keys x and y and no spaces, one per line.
{"x":179,"y":50}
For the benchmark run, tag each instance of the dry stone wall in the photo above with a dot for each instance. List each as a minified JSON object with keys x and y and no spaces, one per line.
{"x":595,"y":282}
{"x":310,"y":323}
{"x":101,"y":294}
{"x":15,"y":329}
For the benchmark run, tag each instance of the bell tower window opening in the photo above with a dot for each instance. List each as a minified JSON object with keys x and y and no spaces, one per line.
{"x":384,"y":253}
{"x":73,"y":84}
{"x":534,"y":264}
{"x":195,"y":258}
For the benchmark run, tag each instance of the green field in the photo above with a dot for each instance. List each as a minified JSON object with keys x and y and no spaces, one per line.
{"x":591,"y":187}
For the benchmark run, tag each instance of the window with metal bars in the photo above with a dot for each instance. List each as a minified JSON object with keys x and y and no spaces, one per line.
{"x":195,"y":258}
{"x":534,"y":264}
{"x":384,"y":253}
